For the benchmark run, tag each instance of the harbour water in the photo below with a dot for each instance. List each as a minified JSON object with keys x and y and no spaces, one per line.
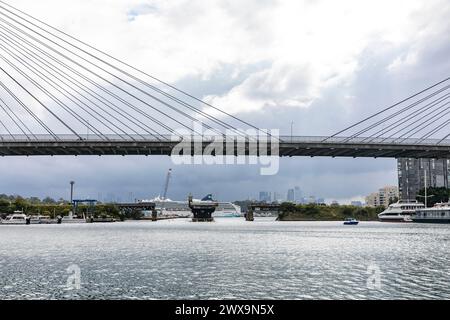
{"x":226,"y":259}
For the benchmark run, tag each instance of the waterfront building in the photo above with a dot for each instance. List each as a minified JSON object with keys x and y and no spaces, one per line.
{"x":388,"y":194}
{"x":297,"y":194}
{"x":383,"y":197}
{"x":411,"y":175}
{"x":373,"y":199}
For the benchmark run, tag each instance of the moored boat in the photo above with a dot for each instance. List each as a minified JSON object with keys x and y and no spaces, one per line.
{"x":39,"y":219}
{"x":400,"y":211}
{"x":17,"y":218}
{"x":351,"y":222}
{"x":440,"y":213}
{"x":100,"y":219}
{"x":71,"y":219}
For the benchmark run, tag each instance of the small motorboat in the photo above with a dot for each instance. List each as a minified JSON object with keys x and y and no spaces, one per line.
{"x":351,"y":222}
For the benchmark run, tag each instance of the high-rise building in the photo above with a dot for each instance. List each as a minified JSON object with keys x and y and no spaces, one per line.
{"x":265,"y":196}
{"x":388,"y":194}
{"x":297,"y":194}
{"x":291,"y":195}
{"x":383,"y":197}
{"x":411,"y":175}
{"x":373,"y":200}
{"x":277,"y":197}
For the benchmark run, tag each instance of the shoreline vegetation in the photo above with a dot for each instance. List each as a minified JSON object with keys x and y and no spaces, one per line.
{"x":312,"y":212}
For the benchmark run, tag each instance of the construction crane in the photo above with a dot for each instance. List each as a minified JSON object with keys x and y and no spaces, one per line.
{"x":166,"y":187}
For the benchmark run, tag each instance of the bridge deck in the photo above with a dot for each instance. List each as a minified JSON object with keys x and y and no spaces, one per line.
{"x":287,"y":147}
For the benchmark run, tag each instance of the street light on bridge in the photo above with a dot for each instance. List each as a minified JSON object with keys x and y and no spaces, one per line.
{"x":71,"y":191}
{"x":292,"y":130}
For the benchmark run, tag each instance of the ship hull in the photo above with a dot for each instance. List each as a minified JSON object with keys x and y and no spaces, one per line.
{"x":395,"y":219}
{"x":440,"y":221}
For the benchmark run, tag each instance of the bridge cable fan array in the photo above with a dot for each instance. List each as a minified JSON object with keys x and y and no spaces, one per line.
{"x":51,"y":82}
{"x":423,"y":117}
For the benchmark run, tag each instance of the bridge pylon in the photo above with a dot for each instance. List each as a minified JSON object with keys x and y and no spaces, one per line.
{"x":202,"y":211}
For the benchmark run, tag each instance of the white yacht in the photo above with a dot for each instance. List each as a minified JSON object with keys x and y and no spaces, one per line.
{"x":440,"y":213}
{"x":72,"y":219}
{"x":17,"y":218}
{"x":400,"y":211}
{"x":39,"y":219}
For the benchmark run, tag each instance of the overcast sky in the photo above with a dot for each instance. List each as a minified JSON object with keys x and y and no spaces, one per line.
{"x":321,"y":64}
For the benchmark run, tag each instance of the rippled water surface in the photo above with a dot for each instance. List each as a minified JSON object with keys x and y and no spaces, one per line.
{"x":227,"y":259}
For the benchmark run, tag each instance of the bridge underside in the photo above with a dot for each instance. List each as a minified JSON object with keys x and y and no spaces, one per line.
{"x":337,"y":150}
{"x":285,"y":149}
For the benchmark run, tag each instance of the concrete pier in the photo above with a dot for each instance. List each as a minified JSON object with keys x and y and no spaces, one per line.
{"x":249,"y":216}
{"x":202,"y":211}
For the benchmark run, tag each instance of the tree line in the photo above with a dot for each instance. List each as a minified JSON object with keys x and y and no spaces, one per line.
{"x":292,"y":211}
{"x":434,"y":195}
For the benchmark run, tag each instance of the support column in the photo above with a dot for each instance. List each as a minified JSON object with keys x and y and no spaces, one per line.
{"x":249,"y":216}
{"x":154,"y":215}
{"x":202,"y":211}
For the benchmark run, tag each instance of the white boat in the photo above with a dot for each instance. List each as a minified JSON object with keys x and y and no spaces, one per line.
{"x":72,"y":219}
{"x":39,"y":219}
{"x":351,"y":222}
{"x":400,"y":211}
{"x":440,"y":213}
{"x":17,"y":218}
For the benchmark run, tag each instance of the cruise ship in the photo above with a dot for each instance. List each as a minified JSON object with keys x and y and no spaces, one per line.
{"x":440,"y":213}
{"x":401,"y":211}
{"x":181,"y":208}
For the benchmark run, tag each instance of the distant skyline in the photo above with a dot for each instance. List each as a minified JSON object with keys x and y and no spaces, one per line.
{"x":149,"y":183}
{"x":319,"y":64}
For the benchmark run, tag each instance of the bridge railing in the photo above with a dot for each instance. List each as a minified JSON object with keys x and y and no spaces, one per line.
{"x":364,"y":140}
{"x":166,"y":138}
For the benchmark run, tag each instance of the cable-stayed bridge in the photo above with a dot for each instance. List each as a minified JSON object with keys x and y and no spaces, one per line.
{"x":286,"y":147}
{"x":62,"y":96}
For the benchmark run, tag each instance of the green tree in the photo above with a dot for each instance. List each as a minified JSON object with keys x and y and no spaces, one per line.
{"x":434,"y":195}
{"x":288,"y":207}
{"x":311,"y":209}
{"x":348,"y":212}
{"x":4,"y":206}
{"x":393,"y":200}
{"x":34,"y":200}
{"x":20,"y":204}
{"x":48,"y":200}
